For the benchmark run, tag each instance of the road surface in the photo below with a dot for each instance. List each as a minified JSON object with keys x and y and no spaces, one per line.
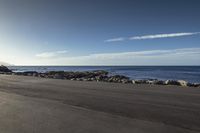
{"x":38,"y":105}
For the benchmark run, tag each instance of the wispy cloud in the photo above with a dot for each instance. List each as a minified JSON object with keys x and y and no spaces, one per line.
{"x":149,"y":53}
{"x":184,"y":56}
{"x":155,"y":36}
{"x":115,"y":39}
{"x":51,"y":54}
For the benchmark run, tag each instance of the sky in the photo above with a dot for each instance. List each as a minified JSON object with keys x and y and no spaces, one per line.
{"x":100,"y":32}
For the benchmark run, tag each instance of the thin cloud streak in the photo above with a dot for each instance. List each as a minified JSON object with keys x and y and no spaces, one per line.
{"x":148,"y":53}
{"x":163,"y":35}
{"x":115,"y":39}
{"x":155,"y":36}
{"x":150,"y":57}
{"x":51,"y":54}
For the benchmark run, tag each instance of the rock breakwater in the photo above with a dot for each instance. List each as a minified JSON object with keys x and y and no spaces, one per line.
{"x":99,"y":76}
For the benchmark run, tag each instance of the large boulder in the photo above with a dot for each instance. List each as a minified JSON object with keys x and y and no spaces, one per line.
{"x":172,"y":82}
{"x":178,"y":82}
{"x":4,"y":69}
{"x":133,"y":81}
{"x":182,"y":82}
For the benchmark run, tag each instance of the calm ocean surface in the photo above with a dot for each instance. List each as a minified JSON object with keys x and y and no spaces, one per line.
{"x":188,"y":73}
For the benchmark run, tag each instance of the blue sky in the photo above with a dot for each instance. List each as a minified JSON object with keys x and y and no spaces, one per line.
{"x":100,"y":32}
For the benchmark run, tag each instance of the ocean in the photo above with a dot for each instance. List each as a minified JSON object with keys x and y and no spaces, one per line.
{"x":188,"y":73}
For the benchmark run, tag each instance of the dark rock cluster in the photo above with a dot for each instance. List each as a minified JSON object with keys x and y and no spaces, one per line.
{"x":99,"y":76}
{"x":4,"y":69}
{"x":167,"y":82}
{"x":104,"y":76}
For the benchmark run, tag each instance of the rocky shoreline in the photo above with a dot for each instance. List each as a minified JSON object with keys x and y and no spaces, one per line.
{"x":98,"y":76}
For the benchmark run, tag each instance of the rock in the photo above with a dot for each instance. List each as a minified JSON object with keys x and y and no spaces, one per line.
{"x":35,"y":74}
{"x":125,"y":81}
{"x":100,"y":72}
{"x":42,"y":75}
{"x":193,"y":85}
{"x":172,"y":82}
{"x":182,"y":82}
{"x":151,"y":81}
{"x":29,"y":73}
{"x":55,"y":72}
{"x":118,"y":79}
{"x":92,"y":79}
{"x":147,"y":81}
{"x":88,"y":79}
{"x":160,"y":82}
{"x":140,"y":81}
{"x":133,"y":81}
{"x":99,"y":78}
{"x":85,"y":79}
{"x":17,"y":73}
{"x":79,"y":79}
{"x":58,"y":76}
{"x":196,"y":85}
{"x":4,"y":69}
